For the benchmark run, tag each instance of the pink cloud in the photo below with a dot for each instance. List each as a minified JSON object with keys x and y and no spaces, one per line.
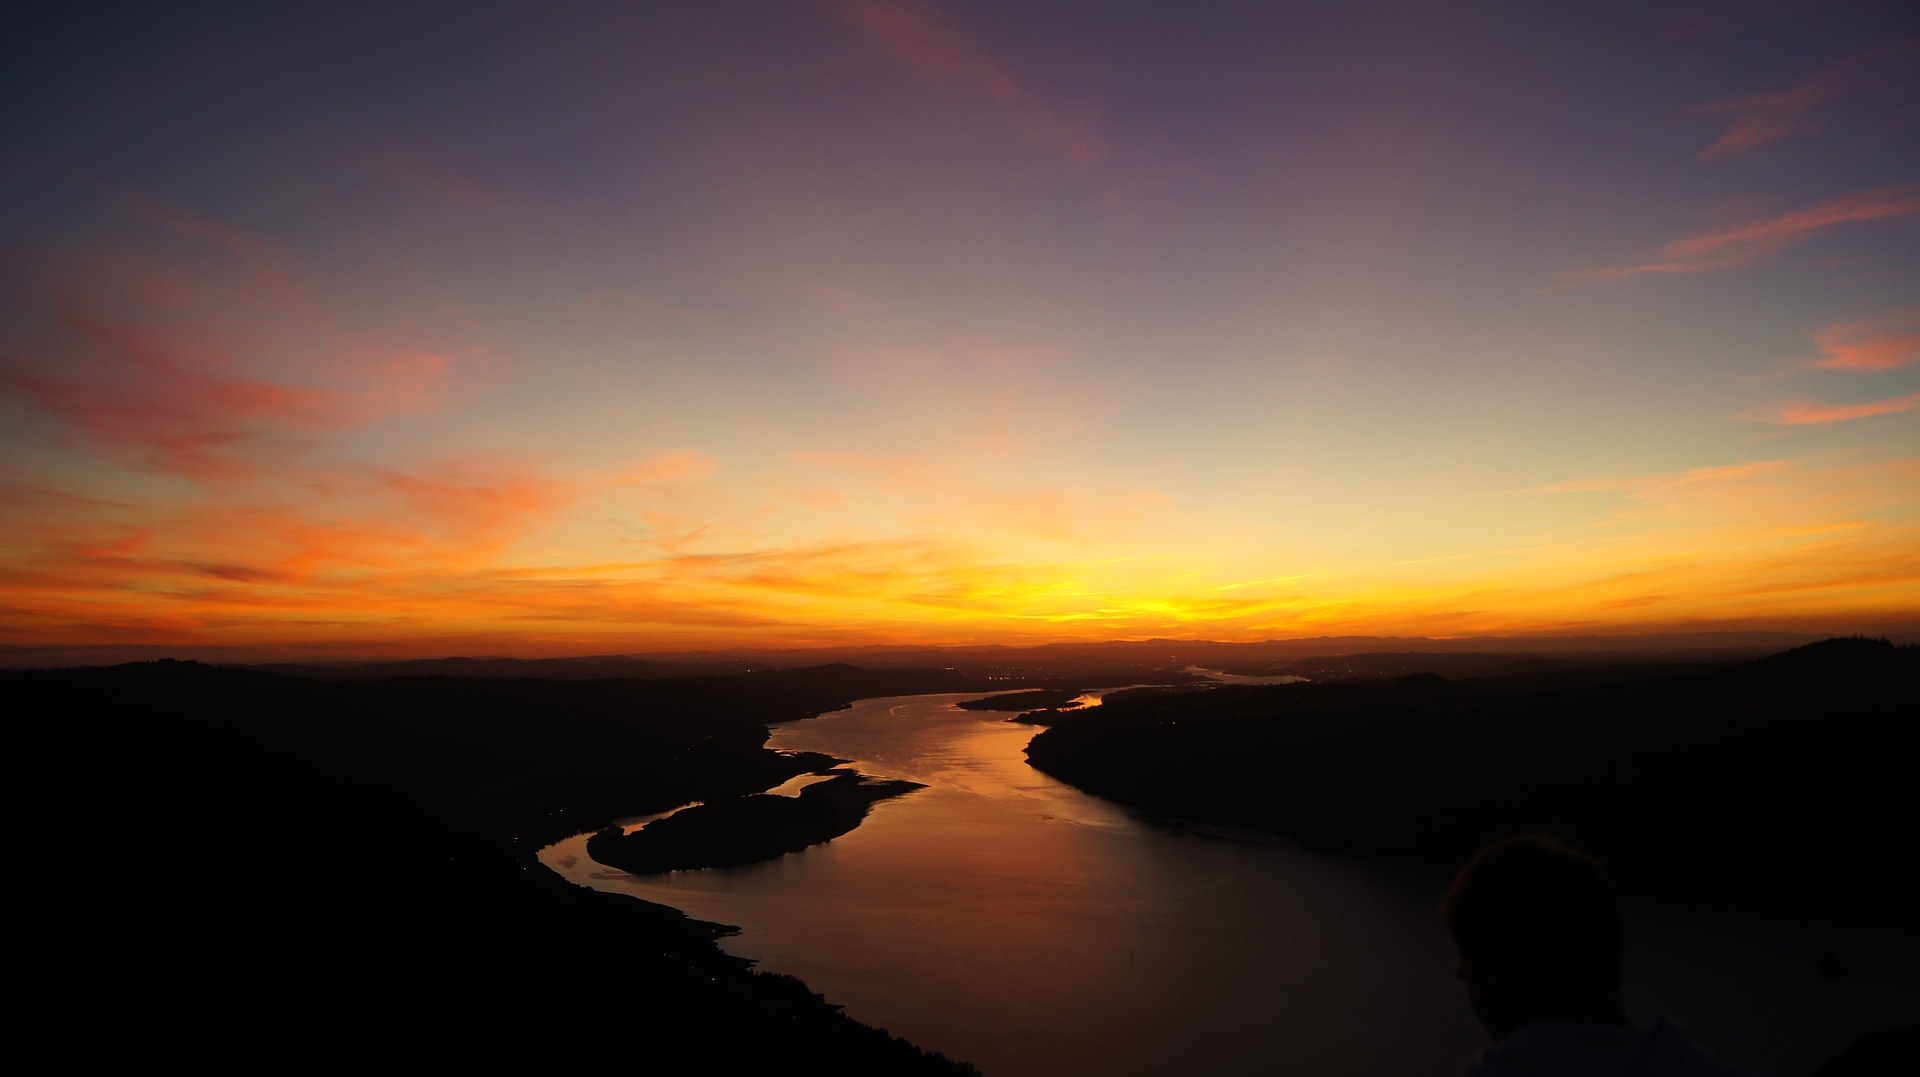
{"x":1756,"y":241}
{"x":1766,"y":118}
{"x":268,"y":273}
{"x":151,"y":403}
{"x":927,"y":46}
{"x":1812,"y":412}
{"x":167,"y":398}
{"x":212,"y":362}
{"x":1886,"y":343}
{"x":1760,"y":120}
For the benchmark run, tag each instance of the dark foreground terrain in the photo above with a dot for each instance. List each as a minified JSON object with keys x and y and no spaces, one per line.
{"x":1790,"y":779}
{"x":235,"y":870}
{"x":241,"y":870}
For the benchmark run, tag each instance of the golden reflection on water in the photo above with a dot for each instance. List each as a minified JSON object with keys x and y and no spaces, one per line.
{"x":1007,"y":919}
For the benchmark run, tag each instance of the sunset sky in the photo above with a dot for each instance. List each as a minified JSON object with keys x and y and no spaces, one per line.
{"x":403,"y":329}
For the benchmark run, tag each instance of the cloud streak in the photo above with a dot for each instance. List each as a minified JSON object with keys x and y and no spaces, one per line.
{"x":1889,"y":342}
{"x":1762,"y":119}
{"x":1668,"y":482}
{"x":167,"y":398}
{"x":1766,"y":118}
{"x":216,"y":363}
{"x":929,"y":48}
{"x":1757,"y":241}
{"x":1815,"y":413}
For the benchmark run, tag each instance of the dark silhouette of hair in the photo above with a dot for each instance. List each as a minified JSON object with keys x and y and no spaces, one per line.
{"x":1542,"y":909}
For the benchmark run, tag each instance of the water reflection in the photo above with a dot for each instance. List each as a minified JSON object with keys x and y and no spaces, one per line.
{"x":1234,"y":678}
{"x":1006,"y":919}
{"x":792,"y":786}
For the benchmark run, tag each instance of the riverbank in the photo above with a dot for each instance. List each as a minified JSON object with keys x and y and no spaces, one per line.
{"x":949,"y":911}
{"x":1783,"y":780}
{"x":229,"y":871}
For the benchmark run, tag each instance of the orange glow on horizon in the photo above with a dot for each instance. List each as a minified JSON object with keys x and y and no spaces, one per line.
{"x":891,"y":321}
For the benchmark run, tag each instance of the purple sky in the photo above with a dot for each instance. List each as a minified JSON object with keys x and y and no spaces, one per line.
{"x":430,"y":328}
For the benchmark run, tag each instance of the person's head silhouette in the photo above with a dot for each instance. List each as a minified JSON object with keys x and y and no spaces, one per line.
{"x":1538,"y":930}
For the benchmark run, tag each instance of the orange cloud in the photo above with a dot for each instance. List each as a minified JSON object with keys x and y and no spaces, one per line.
{"x":361,"y":547}
{"x":1885,"y":343}
{"x":1755,"y":241}
{"x":927,"y":46}
{"x":679,"y":464}
{"x":147,"y":402}
{"x":1811,"y":412}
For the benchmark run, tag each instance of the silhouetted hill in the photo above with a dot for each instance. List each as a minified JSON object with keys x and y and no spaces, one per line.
{"x":231,"y":870}
{"x":1789,"y":776}
{"x":1381,"y":665}
{"x":1055,"y":664}
{"x":607,"y":667}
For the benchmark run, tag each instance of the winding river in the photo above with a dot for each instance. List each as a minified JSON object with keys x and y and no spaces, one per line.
{"x":1002,"y":917}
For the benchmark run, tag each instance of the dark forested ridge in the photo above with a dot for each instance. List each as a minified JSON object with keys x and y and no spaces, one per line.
{"x":1787,"y":778}
{"x":235,"y":870}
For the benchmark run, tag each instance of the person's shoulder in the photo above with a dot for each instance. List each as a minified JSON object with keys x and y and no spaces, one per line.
{"x":1556,"y":1049}
{"x":1671,"y":1050}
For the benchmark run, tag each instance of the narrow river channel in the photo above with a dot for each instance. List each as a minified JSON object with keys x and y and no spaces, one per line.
{"x":1006,"y":919}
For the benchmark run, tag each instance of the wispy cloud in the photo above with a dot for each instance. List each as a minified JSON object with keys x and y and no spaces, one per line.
{"x":926,"y":45}
{"x":1761,"y":119}
{"x":934,"y":496}
{"x":1889,"y":342}
{"x":267,"y":275}
{"x":1814,"y":413}
{"x":168,"y":398}
{"x":1767,"y":118}
{"x":215,"y":360}
{"x":1666,"y":482}
{"x":1758,"y":240}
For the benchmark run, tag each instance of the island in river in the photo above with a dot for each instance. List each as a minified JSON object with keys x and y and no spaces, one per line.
{"x":743,"y":830}
{"x":1023,"y":701}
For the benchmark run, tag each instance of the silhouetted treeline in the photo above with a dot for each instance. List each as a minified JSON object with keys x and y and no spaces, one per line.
{"x":230,"y":870}
{"x":1790,"y":777}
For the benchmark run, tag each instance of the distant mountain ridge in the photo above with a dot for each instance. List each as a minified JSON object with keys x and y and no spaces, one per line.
{"x":1209,"y":653}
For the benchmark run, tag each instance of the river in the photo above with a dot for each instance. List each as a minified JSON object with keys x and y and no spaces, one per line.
{"x":1004,"y":918}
